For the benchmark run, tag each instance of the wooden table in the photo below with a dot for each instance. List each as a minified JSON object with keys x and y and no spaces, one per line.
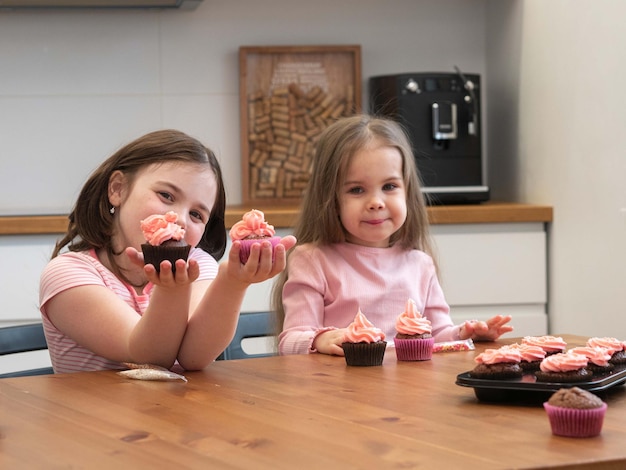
{"x":309,"y":411}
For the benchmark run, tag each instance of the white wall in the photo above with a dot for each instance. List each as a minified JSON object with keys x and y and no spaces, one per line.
{"x":557,"y":118}
{"x":76,"y":85}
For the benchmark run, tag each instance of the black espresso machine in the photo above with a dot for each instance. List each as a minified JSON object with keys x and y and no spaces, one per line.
{"x":442,"y":114}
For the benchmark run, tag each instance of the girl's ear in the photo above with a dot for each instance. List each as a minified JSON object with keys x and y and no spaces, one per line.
{"x":117,"y":184}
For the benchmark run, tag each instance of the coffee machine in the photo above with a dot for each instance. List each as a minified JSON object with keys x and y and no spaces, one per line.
{"x":441,"y":112}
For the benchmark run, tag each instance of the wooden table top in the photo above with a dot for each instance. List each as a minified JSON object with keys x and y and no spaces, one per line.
{"x":308,"y":411}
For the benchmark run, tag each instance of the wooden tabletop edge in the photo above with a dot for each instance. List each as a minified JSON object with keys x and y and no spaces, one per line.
{"x":284,"y":217}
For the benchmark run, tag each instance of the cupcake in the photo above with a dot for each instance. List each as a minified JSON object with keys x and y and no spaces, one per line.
{"x":251,"y":229}
{"x":564,"y":367}
{"x":575,"y":413}
{"x":550,"y":344}
{"x":364,"y":344}
{"x":597,"y":358}
{"x":615,"y":347}
{"x":164,"y":240}
{"x":501,"y":363}
{"x":414,"y":340}
{"x":531,"y":356}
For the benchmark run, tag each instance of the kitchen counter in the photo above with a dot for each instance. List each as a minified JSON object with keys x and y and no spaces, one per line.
{"x":284,"y":217}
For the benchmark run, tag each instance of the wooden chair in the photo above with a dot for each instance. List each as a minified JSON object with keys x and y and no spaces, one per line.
{"x":251,"y":325}
{"x":20,"y":339}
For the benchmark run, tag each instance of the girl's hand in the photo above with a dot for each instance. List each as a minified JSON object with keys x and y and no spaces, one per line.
{"x":490,"y":330}
{"x":262,"y":263}
{"x":186,"y":271}
{"x":329,"y":342}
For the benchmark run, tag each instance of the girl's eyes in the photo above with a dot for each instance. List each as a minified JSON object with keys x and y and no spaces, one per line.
{"x":360,"y":190}
{"x":194,"y":214}
{"x":197,"y":215}
{"x":166,"y":195}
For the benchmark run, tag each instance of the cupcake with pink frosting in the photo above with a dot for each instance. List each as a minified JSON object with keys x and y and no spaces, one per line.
{"x":251,"y":229}
{"x":501,"y":363}
{"x":550,"y":344}
{"x":564,"y":368}
{"x":616,"y":348}
{"x":598,"y":358}
{"x":532,"y":356}
{"x":364,"y":344}
{"x":165,"y":240}
{"x":414,"y":340}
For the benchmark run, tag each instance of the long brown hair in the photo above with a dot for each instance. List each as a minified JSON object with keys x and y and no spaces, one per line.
{"x":91,"y":223}
{"x":318,"y":221}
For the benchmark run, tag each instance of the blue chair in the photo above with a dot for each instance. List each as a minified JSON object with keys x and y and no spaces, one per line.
{"x":20,"y":339}
{"x":250,"y":325}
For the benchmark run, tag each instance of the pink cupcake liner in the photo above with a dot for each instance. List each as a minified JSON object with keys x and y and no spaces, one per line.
{"x":414,"y":349}
{"x":571,"y":422}
{"x":246,"y":244}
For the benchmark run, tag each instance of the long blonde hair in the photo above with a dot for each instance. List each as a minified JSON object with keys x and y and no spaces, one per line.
{"x":318,"y":221}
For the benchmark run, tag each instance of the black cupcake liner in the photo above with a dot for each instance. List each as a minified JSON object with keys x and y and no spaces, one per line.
{"x":364,"y":354}
{"x":155,"y":254}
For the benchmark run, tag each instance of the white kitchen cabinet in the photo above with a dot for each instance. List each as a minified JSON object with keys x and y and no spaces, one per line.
{"x":485,"y":269}
{"x":489,"y":269}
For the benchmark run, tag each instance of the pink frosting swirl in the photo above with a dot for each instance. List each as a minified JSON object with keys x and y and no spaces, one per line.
{"x":563,"y":362}
{"x":159,"y":228}
{"x":505,"y":354}
{"x":411,"y":322}
{"x":530,"y":352}
{"x":612,"y":344}
{"x":549,"y":344}
{"x":596,"y":354}
{"x":252,"y":225}
{"x":361,"y":330}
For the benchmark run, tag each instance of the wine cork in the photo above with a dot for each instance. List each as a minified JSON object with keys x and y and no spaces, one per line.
{"x":277,"y":157}
{"x":300,"y":128}
{"x":279,"y":100}
{"x":280,"y":182}
{"x":296,"y":91}
{"x":284,"y":133}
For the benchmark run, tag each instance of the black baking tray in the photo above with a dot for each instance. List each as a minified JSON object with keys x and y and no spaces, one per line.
{"x":527,"y":389}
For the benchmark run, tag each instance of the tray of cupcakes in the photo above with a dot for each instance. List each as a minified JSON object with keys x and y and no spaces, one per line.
{"x":538,"y":366}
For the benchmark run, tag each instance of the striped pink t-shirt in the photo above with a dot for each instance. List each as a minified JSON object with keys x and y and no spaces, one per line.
{"x":70,"y":270}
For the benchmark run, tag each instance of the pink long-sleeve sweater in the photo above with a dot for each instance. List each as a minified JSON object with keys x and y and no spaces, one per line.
{"x":328,"y":284}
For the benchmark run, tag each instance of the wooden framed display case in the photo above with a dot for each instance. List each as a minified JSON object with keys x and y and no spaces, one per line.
{"x":288,"y":95}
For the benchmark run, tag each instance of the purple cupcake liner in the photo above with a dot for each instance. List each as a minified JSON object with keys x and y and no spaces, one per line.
{"x":364,"y":354}
{"x":414,"y":349}
{"x":246,"y":244}
{"x":571,"y":422}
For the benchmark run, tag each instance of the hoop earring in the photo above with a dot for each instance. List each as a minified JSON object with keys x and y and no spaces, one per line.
{"x":112,"y":210}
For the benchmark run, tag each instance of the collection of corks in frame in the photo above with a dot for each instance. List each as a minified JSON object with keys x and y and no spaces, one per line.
{"x":288,"y":96}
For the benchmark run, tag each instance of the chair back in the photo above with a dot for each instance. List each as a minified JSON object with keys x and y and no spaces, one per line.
{"x":21,"y":339}
{"x":250,"y":325}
